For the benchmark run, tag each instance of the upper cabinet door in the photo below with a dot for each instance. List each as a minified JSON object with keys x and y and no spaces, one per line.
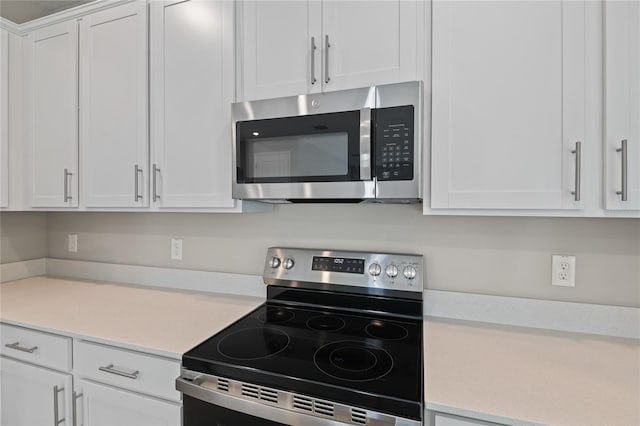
{"x":622,"y":105}
{"x":192,"y":64}
{"x":113,"y":114}
{"x":4,"y":118}
{"x":508,"y":98}
{"x":369,"y":43}
{"x":277,"y":48}
{"x":51,"y":62}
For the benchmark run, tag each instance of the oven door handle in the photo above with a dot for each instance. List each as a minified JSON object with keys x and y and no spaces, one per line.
{"x":206,"y":391}
{"x":365,"y":144}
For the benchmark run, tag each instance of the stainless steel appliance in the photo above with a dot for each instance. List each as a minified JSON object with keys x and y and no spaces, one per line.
{"x":338,"y":342}
{"x":351,"y":145}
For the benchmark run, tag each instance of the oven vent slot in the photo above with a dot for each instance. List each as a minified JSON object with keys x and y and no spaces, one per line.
{"x":258,"y":392}
{"x":302,"y":403}
{"x":223,"y":384}
{"x":269,"y":395}
{"x":313,"y":406}
{"x":250,"y":390}
{"x":322,"y":407}
{"x":358,"y":416}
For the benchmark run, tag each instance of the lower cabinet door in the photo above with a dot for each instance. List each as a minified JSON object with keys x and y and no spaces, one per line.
{"x":34,"y":396}
{"x":107,"y":406}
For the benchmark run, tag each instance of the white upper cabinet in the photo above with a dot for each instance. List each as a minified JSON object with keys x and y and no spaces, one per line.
{"x":508,"y":104}
{"x":192,"y":87}
{"x":278,"y":58}
{"x":113,"y":113}
{"x":4,"y":118}
{"x":622,"y":105}
{"x":296,"y":47}
{"x":51,"y":87}
{"x":369,"y":43}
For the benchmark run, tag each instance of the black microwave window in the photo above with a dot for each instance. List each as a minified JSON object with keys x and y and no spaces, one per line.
{"x":310,"y":148}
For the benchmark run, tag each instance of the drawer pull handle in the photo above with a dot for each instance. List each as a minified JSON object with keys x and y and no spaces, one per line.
{"x":109,"y":369}
{"x":17,"y":347}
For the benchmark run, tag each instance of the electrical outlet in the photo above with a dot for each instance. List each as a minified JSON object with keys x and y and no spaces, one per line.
{"x":72,"y":243}
{"x":176,"y":248}
{"x":563,"y":270}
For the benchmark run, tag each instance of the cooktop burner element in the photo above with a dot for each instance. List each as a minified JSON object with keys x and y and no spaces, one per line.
{"x":339,"y":338}
{"x":276,"y":315}
{"x":326,"y":323}
{"x":353,"y":361}
{"x":253,"y":343}
{"x":386,"y":330}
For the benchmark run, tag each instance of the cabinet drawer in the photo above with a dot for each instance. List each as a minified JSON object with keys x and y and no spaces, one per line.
{"x":48,"y":350}
{"x":126,"y":369}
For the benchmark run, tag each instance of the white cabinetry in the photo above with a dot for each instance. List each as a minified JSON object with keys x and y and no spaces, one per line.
{"x":106,"y":406}
{"x":110,"y":386}
{"x":192,"y":63}
{"x":4,"y":118}
{"x":508,"y":104}
{"x":113,"y":101}
{"x":622,"y":105}
{"x":290,"y":48}
{"x":34,"y":396}
{"x":51,"y":62}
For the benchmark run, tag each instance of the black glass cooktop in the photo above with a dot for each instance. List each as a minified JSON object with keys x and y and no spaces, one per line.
{"x":364,"y":360}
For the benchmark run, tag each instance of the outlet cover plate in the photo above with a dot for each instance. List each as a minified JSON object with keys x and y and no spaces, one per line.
{"x":72,"y":243}
{"x":563,"y":270}
{"x":176,"y":248}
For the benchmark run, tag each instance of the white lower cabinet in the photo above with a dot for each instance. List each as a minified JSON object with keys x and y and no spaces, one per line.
{"x":103,"y":386}
{"x":439,"y":419}
{"x":107,"y":406}
{"x":34,"y":396}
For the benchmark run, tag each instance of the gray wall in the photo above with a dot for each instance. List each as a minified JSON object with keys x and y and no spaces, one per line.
{"x":489,"y":255}
{"x":23,"y":236}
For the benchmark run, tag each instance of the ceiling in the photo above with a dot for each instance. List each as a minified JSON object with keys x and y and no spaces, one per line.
{"x":20,"y":11}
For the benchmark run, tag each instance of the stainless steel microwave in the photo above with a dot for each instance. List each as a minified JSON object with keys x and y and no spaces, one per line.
{"x":344,"y":146}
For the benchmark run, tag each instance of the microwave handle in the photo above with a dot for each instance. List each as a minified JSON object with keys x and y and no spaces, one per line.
{"x":365,"y":144}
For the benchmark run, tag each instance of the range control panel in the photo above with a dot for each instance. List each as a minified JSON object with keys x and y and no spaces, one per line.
{"x":391,"y":271}
{"x":394,"y":141}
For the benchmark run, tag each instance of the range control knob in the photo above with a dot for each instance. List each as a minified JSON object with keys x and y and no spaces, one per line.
{"x":374,"y":269}
{"x":288,"y":263}
{"x":274,"y":262}
{"x":409,"y":272}
{"x":391,"y":271}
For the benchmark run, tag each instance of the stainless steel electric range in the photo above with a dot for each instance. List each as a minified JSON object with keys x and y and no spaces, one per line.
{"x":338,"y":342}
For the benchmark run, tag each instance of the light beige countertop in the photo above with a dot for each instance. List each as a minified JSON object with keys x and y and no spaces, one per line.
{"x":493,"y":373}
{"x":521,"y":375}
{"x":160,"y":321}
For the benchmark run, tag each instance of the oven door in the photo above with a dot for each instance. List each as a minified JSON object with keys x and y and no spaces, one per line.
{"x":304,"y":147}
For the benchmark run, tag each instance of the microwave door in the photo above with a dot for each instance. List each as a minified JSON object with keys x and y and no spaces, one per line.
{"x":301,"y":157}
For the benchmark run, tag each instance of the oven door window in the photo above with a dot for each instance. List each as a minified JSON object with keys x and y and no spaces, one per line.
{"x":311,"y":148}
{"x":200,"y":413}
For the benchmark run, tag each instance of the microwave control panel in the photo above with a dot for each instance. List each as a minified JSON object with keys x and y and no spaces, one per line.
{"x":394,"y":143}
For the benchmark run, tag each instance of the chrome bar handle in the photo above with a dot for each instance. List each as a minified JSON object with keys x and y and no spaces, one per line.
{"x":578,"y":152}
{"x":17,"y":347}
{"x":623,"y":192}
{"x":136,"y":196}
{"x":74,"y":406}
{"x":67,"y":174}
{"x":327,"y":45}
{"x":365,"y":144}
{"x":56,"y":391}
{"x":313,"y":60}
{"x":156,"y":170}
{"x":109,"y":369}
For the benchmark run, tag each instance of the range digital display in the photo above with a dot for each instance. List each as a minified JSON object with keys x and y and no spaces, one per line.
{"x":338,"y":264}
